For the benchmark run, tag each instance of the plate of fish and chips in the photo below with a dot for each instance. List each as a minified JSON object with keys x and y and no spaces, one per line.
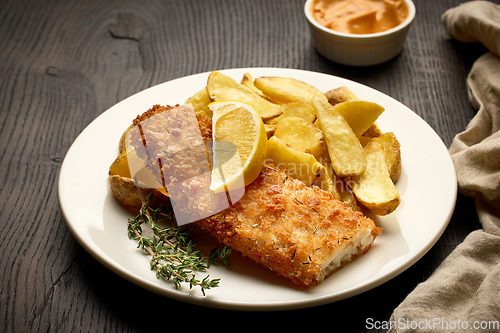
{"x":426,"y":184}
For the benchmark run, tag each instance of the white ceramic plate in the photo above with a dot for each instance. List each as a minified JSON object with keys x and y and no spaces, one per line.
{"x":427,"y":186}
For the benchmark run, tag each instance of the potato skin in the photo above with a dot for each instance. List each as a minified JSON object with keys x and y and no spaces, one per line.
{"x":375,"y":189}
{"x":384,"y":208}
{"x":393,"y":157}
{"x":122,"y":146}
{"x":247,"y":81}
{"x":339,"y":95}
{"x":125,"y":191}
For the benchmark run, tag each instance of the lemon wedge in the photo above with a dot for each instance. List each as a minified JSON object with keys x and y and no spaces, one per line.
{"x":239,"y":147}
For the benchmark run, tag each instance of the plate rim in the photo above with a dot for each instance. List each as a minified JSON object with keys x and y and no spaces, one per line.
{"x":104,"y":259}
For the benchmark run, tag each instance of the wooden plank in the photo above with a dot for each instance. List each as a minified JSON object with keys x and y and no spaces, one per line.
{"x":64,"y":63}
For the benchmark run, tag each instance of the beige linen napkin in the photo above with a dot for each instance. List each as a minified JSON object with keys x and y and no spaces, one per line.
{"x":463,"y":294}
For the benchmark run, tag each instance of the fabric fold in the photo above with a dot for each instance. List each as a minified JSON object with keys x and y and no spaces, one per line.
{"x":463,"y":294}
{"x":475,"y":21}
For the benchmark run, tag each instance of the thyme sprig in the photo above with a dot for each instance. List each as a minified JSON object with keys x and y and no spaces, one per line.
{"x":173,"y":250}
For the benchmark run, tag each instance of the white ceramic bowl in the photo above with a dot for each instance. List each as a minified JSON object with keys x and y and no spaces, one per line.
{"x":359,"y":49}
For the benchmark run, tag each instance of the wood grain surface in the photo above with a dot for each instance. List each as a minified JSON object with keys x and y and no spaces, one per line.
{"x":63,"y":63}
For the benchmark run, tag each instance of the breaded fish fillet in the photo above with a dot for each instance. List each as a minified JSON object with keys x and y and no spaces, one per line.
{"x":299,"y":232}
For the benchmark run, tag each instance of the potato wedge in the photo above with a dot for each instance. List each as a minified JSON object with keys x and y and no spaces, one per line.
{"x":283,"y":90}
{"x":125,"y":192}
{"x":270,"y":129}
{"x":120,"y":166}
{"x":392,"y":154}
{"x":295,"y":109}
{"x":302,"y":166}
{"x":374,"y":188}
{"x":327,"y":183}
{"x":360,"y":115}
{"x":364,"y":140}
{"x":122,"y":145}
{"x":328,"y":180}
{"x":336,"y":185}
{"x":344,"y":148}
{"x":123,"y":187}
{"x":339,"y":95}
{"x":346,"y":194}
{"x":199,"y":102}
{"x":300,"y":135}
{"x":343,"y":94}
{"x":222,"y":88}
{"x":373,"y":131}
{"x":247,"y":81}
{"x":127,"y":161}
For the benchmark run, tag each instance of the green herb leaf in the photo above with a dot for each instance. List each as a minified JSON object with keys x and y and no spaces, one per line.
{"x":173,"y":250}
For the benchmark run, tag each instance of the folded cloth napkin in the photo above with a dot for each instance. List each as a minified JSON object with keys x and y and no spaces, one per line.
{"x":463,"y":294}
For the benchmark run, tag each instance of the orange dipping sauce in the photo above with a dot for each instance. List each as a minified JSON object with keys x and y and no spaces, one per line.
{"x":359,"y":16}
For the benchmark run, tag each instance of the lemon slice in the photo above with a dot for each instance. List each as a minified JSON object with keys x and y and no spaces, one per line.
{"x":239,"y":147}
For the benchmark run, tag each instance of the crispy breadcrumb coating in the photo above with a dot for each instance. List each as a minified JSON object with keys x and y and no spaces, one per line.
{"x":294,"y":230}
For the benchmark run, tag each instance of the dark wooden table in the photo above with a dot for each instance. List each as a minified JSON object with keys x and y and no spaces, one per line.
{"x":62,"y":63}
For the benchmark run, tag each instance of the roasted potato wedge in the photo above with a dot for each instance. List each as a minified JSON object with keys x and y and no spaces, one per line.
{"x":300,"y":135}
{"x":199,"y":102}
{"x":127,"y":161}
{"x":393,"y":153}
{"x":120,"y":166}
{"x":392,"y":149}
{"x":373,"y":131}
{"x":270,"y":129}
{"x":247,"y":81}
{"x":302,"y":166}
{"x":125,"y":190}
{"x":336,"y":185}
{"x":295,"y":109}
{"x":328,"y":181}
{"x":374,"y":188}
{"x":360,"y":115}
{"x":344,"y":148}
{"x":364,"y":140}
{"x":283,"y":90}
{"x":327,"y":184}
{"x":343,"y":94}
{"x":122,"y":145}
{"x":222,"y":88}
{"x":346,"y":194}
{"x":339,"y":95}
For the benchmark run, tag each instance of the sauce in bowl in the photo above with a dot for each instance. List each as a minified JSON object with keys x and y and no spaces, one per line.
{"x":359,"y":16}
